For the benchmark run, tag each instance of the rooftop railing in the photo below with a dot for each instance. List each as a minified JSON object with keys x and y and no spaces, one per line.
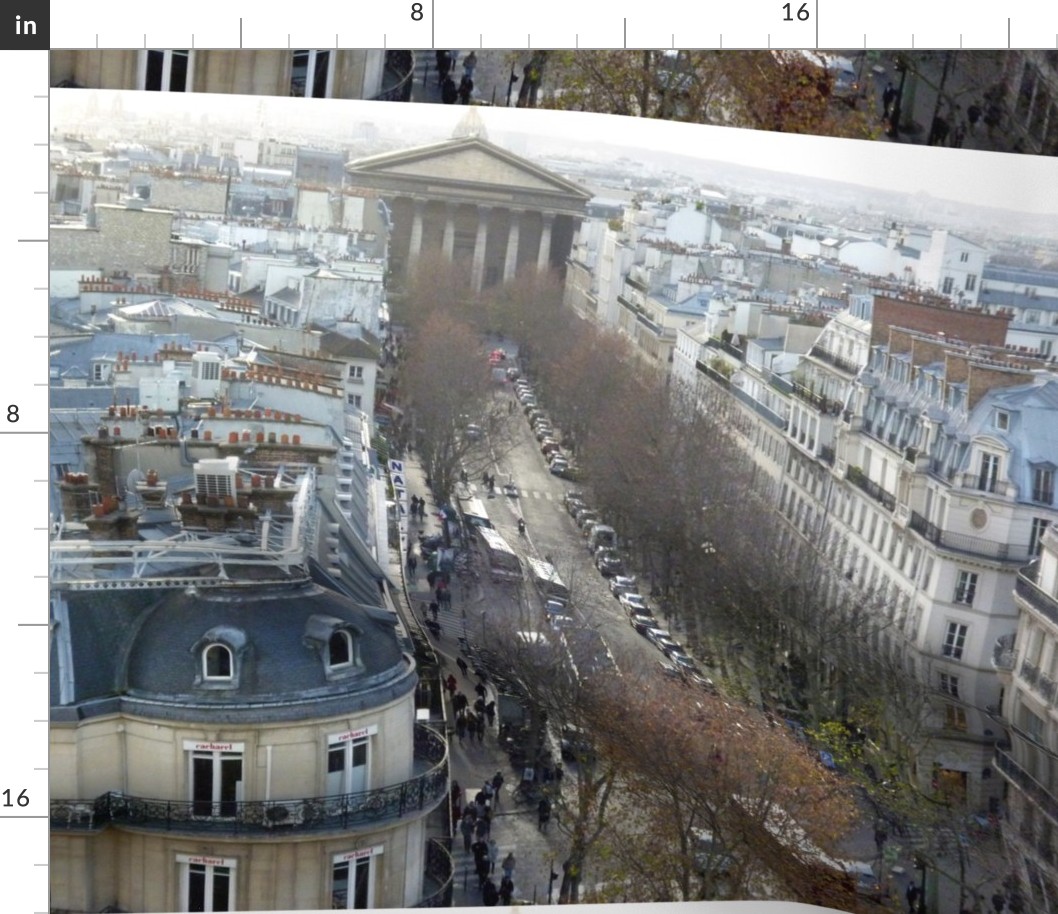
{"x":1027,"y":784}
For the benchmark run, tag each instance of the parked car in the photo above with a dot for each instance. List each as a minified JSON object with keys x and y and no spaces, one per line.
{"x":544,"y":431}
{"x":574,"y":505}
{"x":585,"y":516}
{"x":570,"y":495}
{"x":571,"y":472}
{"x":575,"y":744}
{"x":658,"y":633}
{"x":548,"y":446}
{"x":609,"y":562}
{"x":473,"y":432}
{"x":558,"y":466}
{"x":622,"y":583}
{"x":667,"y":669}
{"x":513,"y":374}
{"x":642,"y":624}
{"x":633,"y":601}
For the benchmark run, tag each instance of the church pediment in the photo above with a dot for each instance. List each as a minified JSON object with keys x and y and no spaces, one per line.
{"x":467,"y":161}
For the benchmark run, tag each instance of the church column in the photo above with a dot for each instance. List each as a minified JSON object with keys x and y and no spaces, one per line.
{"x":415,"y":245}
{"x":477,"y":270}
{"x":543,"y":257}
{"x":449,"y":239}
{"x":510,"y":263}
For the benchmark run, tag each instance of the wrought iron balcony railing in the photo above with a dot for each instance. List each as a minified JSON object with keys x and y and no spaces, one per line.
{"x":440,"y":872}
{"x":1027,"y":784}
{"x":1025,"y":587}
{"x":961,"y":542}
{"x":336,"y":813}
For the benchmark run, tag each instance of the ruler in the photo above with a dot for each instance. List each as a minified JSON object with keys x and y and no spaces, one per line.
{"x":896,"y":24}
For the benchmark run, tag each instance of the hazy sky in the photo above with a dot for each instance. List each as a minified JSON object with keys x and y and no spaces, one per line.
{"x":1016,"y":182}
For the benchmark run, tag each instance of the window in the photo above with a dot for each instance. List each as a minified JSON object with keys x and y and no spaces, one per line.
{"x":311,"y":74}
{"x":954,"y":717}
{"x":352,"y":880}
{"x":1039,"y":524}
{"x":216,"y":781}
{"x":354,"y":400}
{"x":948,"y":285}
{"x":166,"y":71}
{"x":1002,"y":420}
{"x":340,"y":649}
{"x":347,"y":762}
{"x":1043,"y":485}
{"x":98,"y":372}
{"x":356,"y":372}
{"x":206,"y":883}
{"x":989,"y":474}
{"x":966,"y":587}
{"x":954,"y":640}
{"x":216,"y":662}
{"x":964,"y":256}
{"x":971,"y":282}
{"x":949,"y":684}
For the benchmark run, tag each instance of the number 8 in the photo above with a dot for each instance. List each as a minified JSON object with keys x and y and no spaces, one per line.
{"x":416,"y":12}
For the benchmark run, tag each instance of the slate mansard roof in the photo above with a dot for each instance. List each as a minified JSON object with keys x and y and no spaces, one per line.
{"x":140,"y":652}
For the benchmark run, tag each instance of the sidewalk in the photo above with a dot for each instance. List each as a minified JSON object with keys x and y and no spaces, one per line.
{"x":514,"y":825}
{"x":491,"y":77}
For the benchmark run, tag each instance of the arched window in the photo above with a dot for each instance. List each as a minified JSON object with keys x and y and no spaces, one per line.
{"x":217,"y":662}
{"x":340,"y":649}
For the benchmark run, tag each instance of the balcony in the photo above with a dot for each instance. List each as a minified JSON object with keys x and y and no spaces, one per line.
{"x":440,"y":871}
{"x":857,"y":477}
{"x":971,"y":545}
{"x":843,"y":364}
{"x":769,"y":414}
{"x":397,"y":77}
{"x":1042,"y":602}
{"x":818,"y":401}
{"x":272,"y":817}
{"x":1003,"y":653}
{"x":1027,"y":784}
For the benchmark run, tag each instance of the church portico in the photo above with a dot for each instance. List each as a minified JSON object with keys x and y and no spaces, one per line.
{"x":473,"y":201}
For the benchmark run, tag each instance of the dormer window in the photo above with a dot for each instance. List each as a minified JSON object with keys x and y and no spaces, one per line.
{"x":340,"y":649}
{"x":1002,"y":420}
{"x":337,"y":643}
{"x":217,"y":662}
{"x":221,"y":654}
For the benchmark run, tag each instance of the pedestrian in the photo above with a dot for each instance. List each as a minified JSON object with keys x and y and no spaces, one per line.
{"x":999,"y":902}
{"x":450,"y":684}
{"x":469,"y":63}
{"x":461,"y":726}
{"x":465,"y":90}
{"x":479,"y":728}
{"x":888,"y":97}
{"x":479,"y":706}
{"x":449,"y":92}
{"x":959,"y":137}
{"x":413,"y":564}
{"x":490,"y":712}
{"x":506,"y":891}
{"x":481,"y":690}
{"x":434,"y":610}
{"x":497,"y":783}
{"x":558,"y":773}
{"x":912,"y":897}
{"x":444,"y":64}
{"x":508,"y":866}
{"x":462,"y":664}
{"x":414,"y":505}
{"x":482,"y":868}
{"x":467,"y":828}
{"x":489,"y":895}
{"x":543,"y":813}
{"x":422,"y":509}
{"x":479,"y":849}
{"x":456,"y":796}
{"x":494,"y":853}
{"x":973,"y":115}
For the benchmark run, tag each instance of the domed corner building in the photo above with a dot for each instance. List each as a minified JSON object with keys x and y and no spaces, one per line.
{"x":251,"y":746}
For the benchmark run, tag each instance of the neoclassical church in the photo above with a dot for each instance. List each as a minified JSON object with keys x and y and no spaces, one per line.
{"x":472,"y":200}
